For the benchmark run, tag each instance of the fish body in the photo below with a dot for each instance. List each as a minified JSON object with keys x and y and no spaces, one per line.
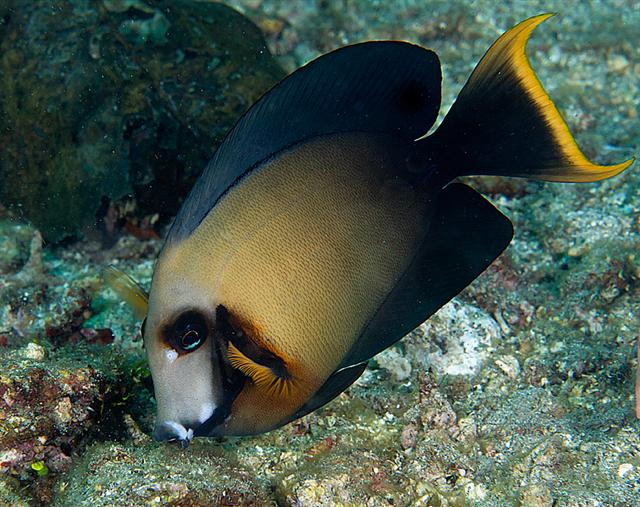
{"x":327,"y":226}
{"x":278,"y":246}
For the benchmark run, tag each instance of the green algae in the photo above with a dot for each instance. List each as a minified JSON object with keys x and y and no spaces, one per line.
{"x":40,"y":468}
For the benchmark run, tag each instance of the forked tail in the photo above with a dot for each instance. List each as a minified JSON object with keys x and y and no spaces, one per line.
{"x":504,"y":123}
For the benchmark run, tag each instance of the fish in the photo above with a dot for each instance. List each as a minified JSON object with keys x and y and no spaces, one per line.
{"x":330,"y":223}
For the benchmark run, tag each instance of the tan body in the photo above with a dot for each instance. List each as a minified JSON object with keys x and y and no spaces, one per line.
{"x":284,"y":259}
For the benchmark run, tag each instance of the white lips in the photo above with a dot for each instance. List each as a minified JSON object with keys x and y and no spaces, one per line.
{"x":181,"y":432}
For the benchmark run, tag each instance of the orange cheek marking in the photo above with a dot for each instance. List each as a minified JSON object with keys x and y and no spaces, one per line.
{"x":288,"y":389}
{"x":262,"y":376}
{"x":251,"y":329}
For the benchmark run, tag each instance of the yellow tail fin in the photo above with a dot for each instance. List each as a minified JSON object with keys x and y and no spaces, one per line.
{"x":504,"y":123}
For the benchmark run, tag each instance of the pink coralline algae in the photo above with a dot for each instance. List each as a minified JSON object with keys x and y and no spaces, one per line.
{"x":44,"y":413}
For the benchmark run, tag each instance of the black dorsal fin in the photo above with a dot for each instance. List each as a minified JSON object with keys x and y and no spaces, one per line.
{"x":384,"y":86}
{"x":467,"y":233}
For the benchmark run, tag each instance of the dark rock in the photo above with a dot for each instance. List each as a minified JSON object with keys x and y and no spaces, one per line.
{"x":104,"y":99}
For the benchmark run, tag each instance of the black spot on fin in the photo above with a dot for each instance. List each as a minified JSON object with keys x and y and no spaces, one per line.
{"x":466,"y":234}
{"x":333,"y":386}
{"x":504,"y":123}
{"x":385,"y":86}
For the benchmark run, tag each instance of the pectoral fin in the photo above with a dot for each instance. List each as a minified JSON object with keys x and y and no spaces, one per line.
{"x":332,"y":387}
{"x":265,"y":378}
{"x":128,"y":289}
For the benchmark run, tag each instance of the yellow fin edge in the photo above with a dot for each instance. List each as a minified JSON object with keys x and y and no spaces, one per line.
{"x":262,"y":376}
{"x":128,"y":289}
{"x":510,"y":48}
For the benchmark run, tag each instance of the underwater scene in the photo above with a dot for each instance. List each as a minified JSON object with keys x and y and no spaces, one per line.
{"x":319,"y":253}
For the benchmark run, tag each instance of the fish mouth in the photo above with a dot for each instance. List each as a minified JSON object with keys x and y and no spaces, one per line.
{"x":172,"y":431}
{"x":169,"y":431}
{"x":211,"y":419}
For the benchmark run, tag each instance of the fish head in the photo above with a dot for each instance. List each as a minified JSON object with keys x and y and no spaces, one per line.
{"x":193,"y":382}
{"x":213,"y":372}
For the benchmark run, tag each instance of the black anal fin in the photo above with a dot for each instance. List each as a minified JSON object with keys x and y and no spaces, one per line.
{"x":333,"y":386}
{"x":466,"y":234}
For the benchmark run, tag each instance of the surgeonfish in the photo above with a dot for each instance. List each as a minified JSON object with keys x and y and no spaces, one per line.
{"x":328,"y":225}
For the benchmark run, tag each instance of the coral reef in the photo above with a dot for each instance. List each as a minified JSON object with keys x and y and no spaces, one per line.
{"x":519,"y":392}
{"x":153,"y":474}
{"x":47,"y":410}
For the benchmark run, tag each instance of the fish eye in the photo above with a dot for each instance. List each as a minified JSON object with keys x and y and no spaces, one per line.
{"x":189,"y":332}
